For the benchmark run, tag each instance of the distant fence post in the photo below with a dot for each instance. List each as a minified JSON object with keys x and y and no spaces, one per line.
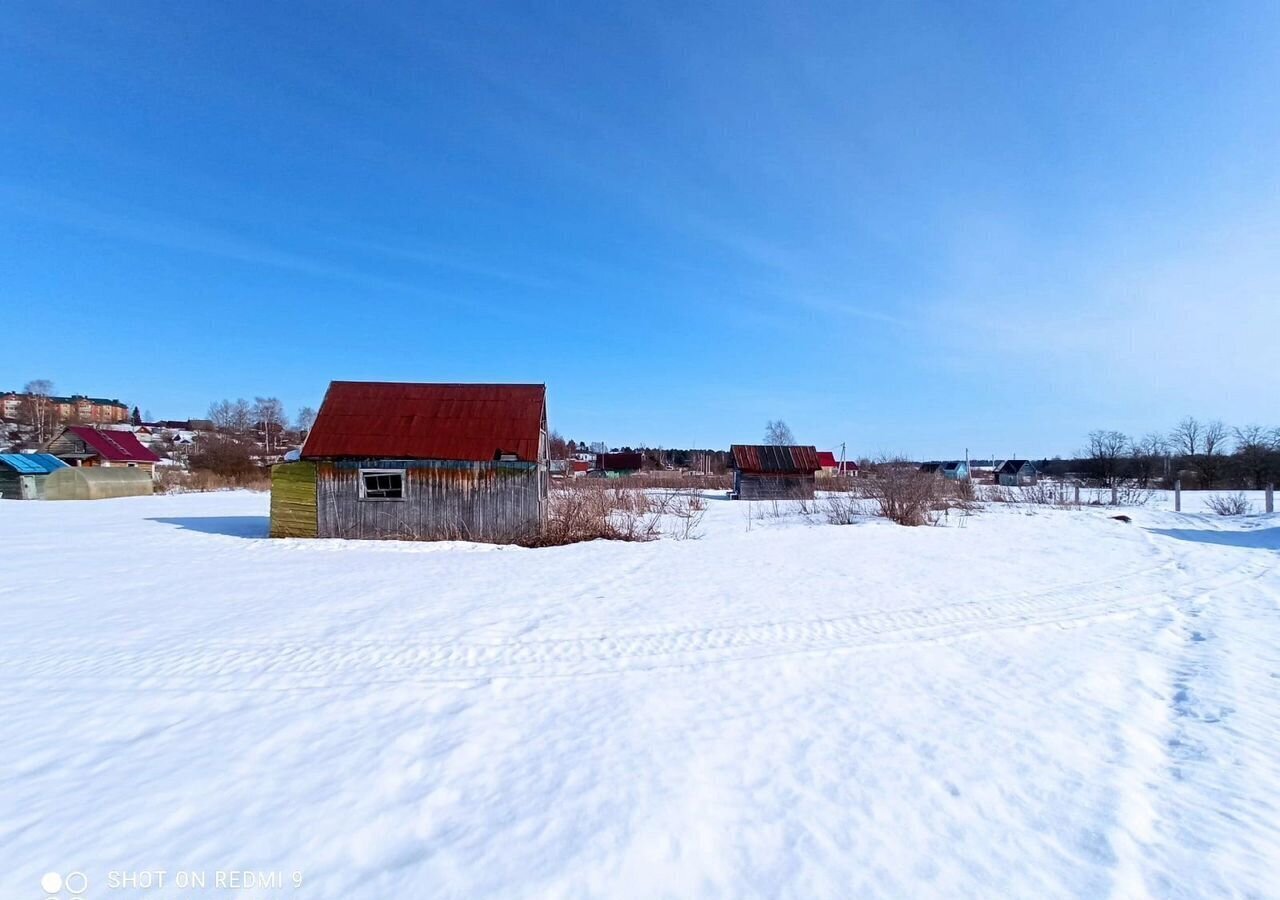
{"x":1271,"y":498}
{"x":1115,"y":495}
{"x":1177,"y":495}
{"x":1077,"y":495}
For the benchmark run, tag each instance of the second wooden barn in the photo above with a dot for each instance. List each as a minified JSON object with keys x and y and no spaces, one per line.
{"x":769,"y":472}
{"x":418,"y":462}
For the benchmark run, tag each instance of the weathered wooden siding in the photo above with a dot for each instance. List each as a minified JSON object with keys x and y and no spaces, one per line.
{"x":293,"y":500}
{"x":749,"y":486}
{"x":477,"y":501}
{"x":10,"y":485}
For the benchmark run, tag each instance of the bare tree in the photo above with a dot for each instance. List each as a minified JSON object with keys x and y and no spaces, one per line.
{"x":269,"y":414}
{"x":1209,"y":462}
{"x":306,"y":418}
{"x":221,"y":415}
{"x":1148,"y":455}
{"x":1258,"y":452}
{"x":557,"y":446}
{"x":38,"y":407}
{"x":777,"y":433}
{"x":1106,"y":449}
{"x":1185,"y":437}
{"x":241,"y":416}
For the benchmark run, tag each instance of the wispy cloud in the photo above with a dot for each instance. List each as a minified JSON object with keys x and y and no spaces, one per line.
{"x":142,"y":226}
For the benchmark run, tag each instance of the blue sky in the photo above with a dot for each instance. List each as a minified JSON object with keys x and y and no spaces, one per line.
{"x":914,"y":228}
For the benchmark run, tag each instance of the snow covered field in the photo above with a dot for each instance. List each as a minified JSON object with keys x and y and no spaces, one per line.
{"x":1031,"y":704}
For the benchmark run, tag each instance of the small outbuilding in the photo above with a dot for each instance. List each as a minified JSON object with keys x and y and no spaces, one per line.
{"x":772,"y":472}
{"x":23,"y":475}
{"x":418,"y":462}
{"x":1016,"y":473}
{"x":85,"y":447}
{"x":619,"y":465}
{"x":955,"y":470}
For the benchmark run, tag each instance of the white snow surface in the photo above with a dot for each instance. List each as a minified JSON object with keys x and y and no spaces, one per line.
{"x":1020,"y":703}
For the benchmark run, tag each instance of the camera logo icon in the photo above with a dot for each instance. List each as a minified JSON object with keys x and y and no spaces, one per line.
{"x":64,"y":887}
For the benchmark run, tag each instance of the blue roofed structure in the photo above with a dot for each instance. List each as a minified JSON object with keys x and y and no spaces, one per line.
{"x":31,"y":463}
{"x":22,"y":475}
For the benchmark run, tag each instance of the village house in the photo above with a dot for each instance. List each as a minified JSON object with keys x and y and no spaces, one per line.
{"x":769,"y":472}
{"x":1016,"y":473}
{"x":83,"y":447}
{"x":418,"y":462}
{"x":833,"y":467}
{"x":23,"y":475}
{"x":952,"y":469}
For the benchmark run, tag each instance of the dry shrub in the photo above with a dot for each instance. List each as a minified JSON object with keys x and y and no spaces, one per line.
{"x":677,"y":481}
{"x":905,"y":495}
{"x":223,"y":456}
{"x":1126,"y":495}
{"x":1043,"y":493}
{"x":1049,"y":493}
{"x":595,"y":509}
{"x":958,"y":494}
{"x":843,"y":508}
{"x":1229,"y":504}
{"x":180,"y":481}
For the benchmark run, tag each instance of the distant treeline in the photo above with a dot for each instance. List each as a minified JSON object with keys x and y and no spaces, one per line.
{"x":1199,"y":454}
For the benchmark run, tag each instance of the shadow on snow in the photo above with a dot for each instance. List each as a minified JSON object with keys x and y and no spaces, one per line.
{"x":1257,"y":539}
{"x":232,"y":526}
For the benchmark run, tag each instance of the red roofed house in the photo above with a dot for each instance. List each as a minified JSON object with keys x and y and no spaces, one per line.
{"x":85,"y":446}
{"x":418,"y":462}
{"x":832,"y":466}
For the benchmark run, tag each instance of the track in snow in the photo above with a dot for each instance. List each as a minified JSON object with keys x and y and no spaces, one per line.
{"x":285,"y":665}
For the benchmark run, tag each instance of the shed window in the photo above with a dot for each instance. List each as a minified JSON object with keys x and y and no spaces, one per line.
{"x":381,"y":484}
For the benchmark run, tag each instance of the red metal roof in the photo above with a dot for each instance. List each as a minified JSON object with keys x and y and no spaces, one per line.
{"x":581,"y":465}
{"x":827,"y":459}
{"x":775,"y":460}
{"x":471,"y":422}
{"x":630,"y":461}
{"x":115,"y":446}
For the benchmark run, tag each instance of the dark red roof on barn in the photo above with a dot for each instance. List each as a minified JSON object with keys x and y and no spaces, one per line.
{"x":113,"y":446}
{"x":628,"y":461}
{"x":771,"y":459}
{"x":389,"y":420}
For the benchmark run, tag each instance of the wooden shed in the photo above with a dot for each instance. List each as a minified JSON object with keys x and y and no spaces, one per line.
{"x":418,"y":462}
{"x":23,"y":475}
{"x":768,"y":472}
{"x":619,"y":465}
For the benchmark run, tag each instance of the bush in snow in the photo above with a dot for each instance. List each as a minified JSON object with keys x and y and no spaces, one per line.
{"x":1229,"y":504}
{"x":905,"y":495}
